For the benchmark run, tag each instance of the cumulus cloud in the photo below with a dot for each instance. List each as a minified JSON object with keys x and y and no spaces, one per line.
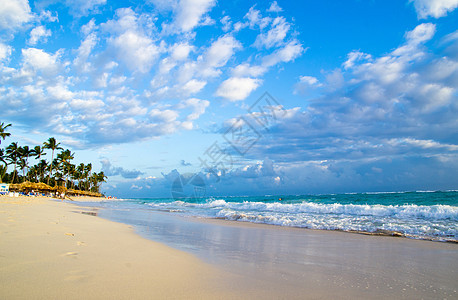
{"x":218,"y":54}
{"x":97,"y":91}
{"x":274,"y":7}
{"x":434,"y":8}
{"x":255,"y":19}
{"x":136,"y":50}
{"x":306,"y":83}
{"x":237,"y":88}
{"x":110,"y":170}
{"x":275,"y":35}
{"x":5,"y":52}
{"x":190,"y":13}
{"x":133,"y":46}
{"x":39,"y":33}
{"x":40,"y":61}
{"x":375,"y":108}
{"x":84,"y":7}
{"x":14,"y":13}
{"x":288,"y":53}
{"x":81,"y":60}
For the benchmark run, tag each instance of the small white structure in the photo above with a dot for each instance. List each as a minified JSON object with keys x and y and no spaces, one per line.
{"x":4,"y":188}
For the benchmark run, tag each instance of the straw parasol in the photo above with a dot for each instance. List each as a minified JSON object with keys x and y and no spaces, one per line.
{"x":41,"y":186}
{"x":28,"y":186}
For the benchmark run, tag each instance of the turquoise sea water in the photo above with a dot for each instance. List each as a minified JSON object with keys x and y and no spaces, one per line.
{"x":419,"y":215}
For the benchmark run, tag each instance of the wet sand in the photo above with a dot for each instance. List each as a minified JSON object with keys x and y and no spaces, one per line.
{"x":50,"y":251}
{"x":298,"y":263}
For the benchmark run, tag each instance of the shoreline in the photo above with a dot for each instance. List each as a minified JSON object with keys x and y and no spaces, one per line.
{"x":47,"y":251}
{"x":52,"y":249}
{"x":380,"y":233}
{"x":296,"y":261}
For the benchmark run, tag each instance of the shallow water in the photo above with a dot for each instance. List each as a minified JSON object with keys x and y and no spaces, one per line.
{"x":286,"y":262}
{"x":418,"y":215}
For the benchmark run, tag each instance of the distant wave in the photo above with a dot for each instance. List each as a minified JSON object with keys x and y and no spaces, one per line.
{"x":436,"y":222}
{"x":432,"y":212}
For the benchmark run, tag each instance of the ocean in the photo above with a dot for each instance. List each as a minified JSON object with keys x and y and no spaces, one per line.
{"x":417,"y":215}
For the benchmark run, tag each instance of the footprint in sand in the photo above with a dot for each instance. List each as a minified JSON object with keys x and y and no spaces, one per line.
{"x":76,"y":276}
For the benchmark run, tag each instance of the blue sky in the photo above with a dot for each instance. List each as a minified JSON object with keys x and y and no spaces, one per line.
{"x":361,"y":95}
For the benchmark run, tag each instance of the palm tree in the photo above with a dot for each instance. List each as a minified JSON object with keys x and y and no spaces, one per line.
{"x":42,"y":167}
{"x":13,"y":154}
{"x":38,"y":152}
{"x":34,"y":172}
{"x":87,"y":173}
{"x":53,"y":145}
{"x":80,"y":174}
{"x":65,"y":157}
{"x":3,"y":160}
{"x":24,"y":153}
{"x":22,"y":165}
{"x":99,"y":178}
{"x":4,"y":134}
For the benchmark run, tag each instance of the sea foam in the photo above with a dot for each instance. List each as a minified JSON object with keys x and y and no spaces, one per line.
{"x":417,"y":221}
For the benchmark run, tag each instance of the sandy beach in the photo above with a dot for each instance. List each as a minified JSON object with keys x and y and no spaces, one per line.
{"x":48,"y":250}
{"x":53,"y":250}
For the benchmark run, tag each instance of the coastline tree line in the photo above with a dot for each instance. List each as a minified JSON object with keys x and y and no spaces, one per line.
{"x":59,"y":171}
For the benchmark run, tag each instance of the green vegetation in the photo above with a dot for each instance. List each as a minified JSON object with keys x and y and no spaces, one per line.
{"x":59,"y":171}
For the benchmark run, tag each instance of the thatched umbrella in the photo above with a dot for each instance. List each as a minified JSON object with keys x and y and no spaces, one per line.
{"x":41,"y":186}
{"x":60,"y":189}
{"x":25,"y":186}
{"x":14,"y":187}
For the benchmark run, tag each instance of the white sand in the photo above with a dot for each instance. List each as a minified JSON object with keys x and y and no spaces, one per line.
{"x":47,"y":251}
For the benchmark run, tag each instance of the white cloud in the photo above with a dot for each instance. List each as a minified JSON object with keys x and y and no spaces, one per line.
{"x":218,"y":54}
{"x":288,"y":53}
{"x":245,"y":69}
{"x":164,"y":5}
{"x":389,"y":68}
{"x":84,"y":51}
{"x":14,"y":13}
{"x":434,"y":8}
{"x":226,"y":21}
{"x":137,"y":51}
{"x":355,"y":57}
{"x":193,"y":86}
{"x":59,"y":92}
{"x":237,"y":88}
{"x":404,"y":95}
{"x":40,"y":60}
{"x":422,"y":33}
{"x":130,"y":40}
{"x":256,"y":20}
{"x":89,"y":27}
{"x":310,"y":80}
{"x":100,"y":84}
{"x":305,"y":83}
{"x":46,"y":15}
{"x":197,"y":106}
{"x":86,"y":104}
{"x":181,"y":51}
{"x":274,"y":7}
{"x":39,"y":33}
{"x":84,"y":7}
{"x":5,"y":52}
{"x":189,"y":13}
{"x":275,"y":35}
